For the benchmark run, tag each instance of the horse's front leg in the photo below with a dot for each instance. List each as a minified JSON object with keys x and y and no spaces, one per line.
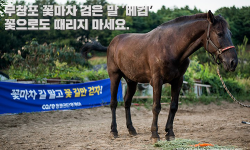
{"x":175,"y":91}
{"x":131,"y":88}
{"x":157,"y":87}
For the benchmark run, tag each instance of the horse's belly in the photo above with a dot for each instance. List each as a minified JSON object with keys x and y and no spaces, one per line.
{"x":136,"y":73}
{"x":134,"y":69}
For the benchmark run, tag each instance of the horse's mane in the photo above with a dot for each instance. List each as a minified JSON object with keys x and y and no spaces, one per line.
{"x":193,"y":17}
{"x":186,"y":18}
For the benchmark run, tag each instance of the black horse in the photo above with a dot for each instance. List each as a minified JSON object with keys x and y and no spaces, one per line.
{"x":161,"y":56}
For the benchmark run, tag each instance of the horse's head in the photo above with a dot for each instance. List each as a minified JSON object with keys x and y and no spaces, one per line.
{"x":219,"y":42}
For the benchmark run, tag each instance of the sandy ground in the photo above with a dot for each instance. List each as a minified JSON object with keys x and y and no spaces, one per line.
{"x":89,"y":128}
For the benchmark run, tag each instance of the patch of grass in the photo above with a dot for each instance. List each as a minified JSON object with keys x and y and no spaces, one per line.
{"x":182,"y":144}
{"x":148,"y":103}
{"x":145,"y":102}
{"x":98,"y":61}
{"x":191,"y":98}
{"x":100,"y":54}
{"x":120,"y":104}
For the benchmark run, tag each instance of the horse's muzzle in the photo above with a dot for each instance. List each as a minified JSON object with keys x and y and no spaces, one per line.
{"x":230,"y":65}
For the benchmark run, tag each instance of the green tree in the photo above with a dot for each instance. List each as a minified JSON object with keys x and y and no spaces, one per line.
{"x":238,"y":19}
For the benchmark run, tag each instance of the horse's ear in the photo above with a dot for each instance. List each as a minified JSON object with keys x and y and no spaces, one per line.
{"x":210,"y":17}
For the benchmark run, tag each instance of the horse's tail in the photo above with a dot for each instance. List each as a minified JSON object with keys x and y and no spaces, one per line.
{"x":96,"y":46}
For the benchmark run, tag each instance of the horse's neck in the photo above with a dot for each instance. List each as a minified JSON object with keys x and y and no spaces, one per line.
{"x":194,"y":38}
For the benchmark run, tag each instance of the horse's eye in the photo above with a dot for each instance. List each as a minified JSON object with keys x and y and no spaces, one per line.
{"x":220,"y":34}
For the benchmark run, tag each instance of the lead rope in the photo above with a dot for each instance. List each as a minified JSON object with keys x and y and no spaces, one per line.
{"x":225,"y":87}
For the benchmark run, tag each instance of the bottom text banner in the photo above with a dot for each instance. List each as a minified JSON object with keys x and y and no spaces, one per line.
{"x":19,"y":98}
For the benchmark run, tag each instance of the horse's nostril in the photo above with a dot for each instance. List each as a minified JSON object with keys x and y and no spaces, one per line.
{"x":232,"y":63}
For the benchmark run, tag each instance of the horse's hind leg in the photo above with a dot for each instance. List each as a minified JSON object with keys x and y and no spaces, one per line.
{"x":115,"y":77}
{"x":127,"y":100}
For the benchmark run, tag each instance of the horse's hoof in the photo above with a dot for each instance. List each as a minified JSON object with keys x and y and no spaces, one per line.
{"x":155,"y":140}
{"x":132,"y":132}
{"x":114,"y":134}
{"x":170,"y":138}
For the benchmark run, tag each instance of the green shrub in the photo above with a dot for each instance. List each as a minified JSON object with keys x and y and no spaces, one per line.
{"x":34,"y":57}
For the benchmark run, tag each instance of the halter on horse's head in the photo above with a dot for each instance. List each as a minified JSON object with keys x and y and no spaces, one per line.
{"x":219,"y":43}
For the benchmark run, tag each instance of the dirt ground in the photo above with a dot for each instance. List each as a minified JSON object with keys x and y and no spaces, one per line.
{"x":89,"y":128}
